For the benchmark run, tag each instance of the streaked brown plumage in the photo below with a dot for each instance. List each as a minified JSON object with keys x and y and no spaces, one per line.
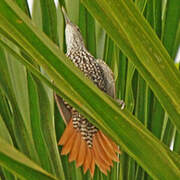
{"x":82,"y":140}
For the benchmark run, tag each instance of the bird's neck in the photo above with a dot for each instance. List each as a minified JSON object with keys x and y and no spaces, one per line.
{"x":74,"y":43}
{"x":72,"y":47}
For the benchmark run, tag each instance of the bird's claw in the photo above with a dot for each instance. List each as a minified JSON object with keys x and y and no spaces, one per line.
{"x":122,"y":103}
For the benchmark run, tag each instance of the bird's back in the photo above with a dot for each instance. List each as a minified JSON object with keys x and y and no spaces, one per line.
{"x":88,"y":65}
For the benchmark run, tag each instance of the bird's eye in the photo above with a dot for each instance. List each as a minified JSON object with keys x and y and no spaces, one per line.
{"x":78,"y":28}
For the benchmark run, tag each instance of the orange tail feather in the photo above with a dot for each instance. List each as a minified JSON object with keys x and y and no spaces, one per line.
{"x":102,"y":153}
{"x":99,"y":162}
{"x":74,"y":153}
{"x":88,"y":160}
{"x":67,"y":133}
{"x":108,"y":147}
{"x":69,"y":144}
{"x":82,"y":153}
{"x":92,"y":166}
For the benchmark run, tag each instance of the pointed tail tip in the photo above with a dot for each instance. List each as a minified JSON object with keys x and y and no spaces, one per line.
{"x":102,"y":154}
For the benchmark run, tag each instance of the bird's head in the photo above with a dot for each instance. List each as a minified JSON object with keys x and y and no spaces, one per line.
{"x":73,"y":35}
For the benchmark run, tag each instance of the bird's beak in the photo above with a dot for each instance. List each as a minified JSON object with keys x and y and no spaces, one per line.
{"x":67,"y":20}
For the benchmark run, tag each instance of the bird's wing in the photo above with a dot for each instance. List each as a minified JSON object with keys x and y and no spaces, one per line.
{"x":64,"y":111}
{"x":109,"y":78}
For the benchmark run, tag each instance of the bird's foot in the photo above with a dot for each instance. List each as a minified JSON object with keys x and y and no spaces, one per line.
{"x":122,"y":103}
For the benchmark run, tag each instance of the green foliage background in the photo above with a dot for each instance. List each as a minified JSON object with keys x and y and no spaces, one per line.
{"x":138,"y":40}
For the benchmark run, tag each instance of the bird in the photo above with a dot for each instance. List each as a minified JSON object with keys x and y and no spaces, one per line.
{"x":85,"y":143}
